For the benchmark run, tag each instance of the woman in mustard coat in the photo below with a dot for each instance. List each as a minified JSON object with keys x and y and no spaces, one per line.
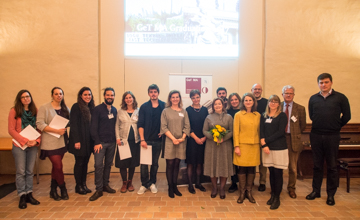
{"x":247,"y":145}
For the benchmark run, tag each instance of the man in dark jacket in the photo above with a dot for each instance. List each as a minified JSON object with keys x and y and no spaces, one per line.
{"x":103,"y":119}
{"x":149,"y":130}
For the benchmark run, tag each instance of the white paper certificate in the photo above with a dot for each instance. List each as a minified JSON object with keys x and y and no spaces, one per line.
{"x":124,"y":151}
{"x":58,"y":122}
{"x":29,"y":133}
{"x":146,"y":155}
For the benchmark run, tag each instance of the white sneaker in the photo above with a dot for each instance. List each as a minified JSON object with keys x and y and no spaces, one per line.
{"x":153,"y":188}
{"x":142,"y":190}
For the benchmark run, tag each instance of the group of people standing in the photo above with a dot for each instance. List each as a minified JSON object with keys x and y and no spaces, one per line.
{"x":258,"y":132}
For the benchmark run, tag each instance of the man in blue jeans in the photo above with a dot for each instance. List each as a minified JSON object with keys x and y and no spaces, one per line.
{"x":102,"y":129}
{"x":149,"y":129}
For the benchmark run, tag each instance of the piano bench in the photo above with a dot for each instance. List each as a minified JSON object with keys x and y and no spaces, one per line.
{"x":348,"y":164}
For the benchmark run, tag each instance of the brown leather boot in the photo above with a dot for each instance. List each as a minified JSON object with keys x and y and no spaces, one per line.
{"x":124,"y":187}
{"x":249,"y":183}
{"x":130,"y":187}
{"x":242,"y":183}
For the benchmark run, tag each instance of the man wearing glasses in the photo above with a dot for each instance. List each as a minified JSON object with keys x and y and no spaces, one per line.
{"x":296,"y":125}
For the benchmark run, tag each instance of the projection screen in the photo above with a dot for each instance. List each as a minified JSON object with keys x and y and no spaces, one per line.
{"x":181,"y":28}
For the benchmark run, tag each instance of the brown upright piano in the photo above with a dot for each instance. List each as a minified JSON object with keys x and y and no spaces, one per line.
{"x":349,"y":148}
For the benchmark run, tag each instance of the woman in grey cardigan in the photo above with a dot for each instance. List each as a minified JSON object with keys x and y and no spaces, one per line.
{"x":175,"y":125}
{"x":127,"y":134}
{"x":51,"y":146}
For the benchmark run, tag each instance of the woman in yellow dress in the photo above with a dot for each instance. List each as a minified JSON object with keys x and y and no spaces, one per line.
{"x":247,"y":145}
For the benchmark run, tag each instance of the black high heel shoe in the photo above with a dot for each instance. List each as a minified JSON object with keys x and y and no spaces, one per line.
{"x":222,"y":194}
{"x":213,"y":195}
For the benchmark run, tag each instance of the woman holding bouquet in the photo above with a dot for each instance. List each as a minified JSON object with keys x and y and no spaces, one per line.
{"x":246,"y":145}
{"x":218,"y":149}
{"x":176,"y":126}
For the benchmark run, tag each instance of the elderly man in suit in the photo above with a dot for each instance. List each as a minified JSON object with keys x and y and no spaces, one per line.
{"x":296,"y":125}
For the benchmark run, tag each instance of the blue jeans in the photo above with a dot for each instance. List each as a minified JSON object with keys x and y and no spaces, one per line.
{"x":144,"y":169}
{"x":103,"y":161}
{"x":24,"y":162}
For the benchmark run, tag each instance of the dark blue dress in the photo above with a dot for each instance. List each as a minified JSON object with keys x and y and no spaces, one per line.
{"x":194,"y":151}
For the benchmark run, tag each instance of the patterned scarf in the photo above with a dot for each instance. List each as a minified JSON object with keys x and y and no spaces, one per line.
{"x":27,"y":119}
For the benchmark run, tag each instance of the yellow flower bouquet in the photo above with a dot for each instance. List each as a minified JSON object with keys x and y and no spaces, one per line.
{"x":218,"y":133}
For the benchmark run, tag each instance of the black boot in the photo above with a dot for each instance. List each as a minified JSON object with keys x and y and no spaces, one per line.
{"x":276,"y":203}
{"x":64,"y":194}
{"x":271,"y":200}
{"x":171,"y":191}
{"x":176,"y":191}
{"x":30,"y":199}
{"x":86,"y":188}
{"x":22,"y":202}
{"x":53,"y":190}
{"x":80,"y":189}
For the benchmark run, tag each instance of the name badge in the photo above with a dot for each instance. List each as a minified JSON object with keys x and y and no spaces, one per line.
{"x":293,"y":118}
{"x":269,"y":120}
{"x":111,"y":116}
{"x":135,"y":118}
{"x":181,"y":114}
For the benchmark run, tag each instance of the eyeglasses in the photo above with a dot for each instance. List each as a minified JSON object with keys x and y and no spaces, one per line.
{"x":273,"y":102}
{"x":289,"y":93}
{"x":25,"y":97}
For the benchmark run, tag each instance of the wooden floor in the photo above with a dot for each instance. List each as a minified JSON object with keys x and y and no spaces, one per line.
{"x":160,"y":206}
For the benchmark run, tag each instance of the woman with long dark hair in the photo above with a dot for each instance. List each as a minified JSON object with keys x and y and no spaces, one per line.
{"x":81,"y":143}
{"x":246,"y":145}
{"x":176,"y":126}
{"x":127,"y":133}
{"x":275,"y":152}
{"x":52,"y":147}
{"x":22,"y":115}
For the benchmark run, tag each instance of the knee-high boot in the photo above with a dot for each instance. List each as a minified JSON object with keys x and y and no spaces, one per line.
{"x":242,"y":183}
{"x":249,"y":183}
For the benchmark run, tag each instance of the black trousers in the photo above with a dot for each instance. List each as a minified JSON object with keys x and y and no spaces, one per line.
{"x":80,"y":169}
{"x":325,"y":147}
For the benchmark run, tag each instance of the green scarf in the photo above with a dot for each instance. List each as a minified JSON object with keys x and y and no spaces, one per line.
{"x":27,"y":119}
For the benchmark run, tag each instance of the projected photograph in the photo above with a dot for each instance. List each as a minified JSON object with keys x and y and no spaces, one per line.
{"x":182,"y":28}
